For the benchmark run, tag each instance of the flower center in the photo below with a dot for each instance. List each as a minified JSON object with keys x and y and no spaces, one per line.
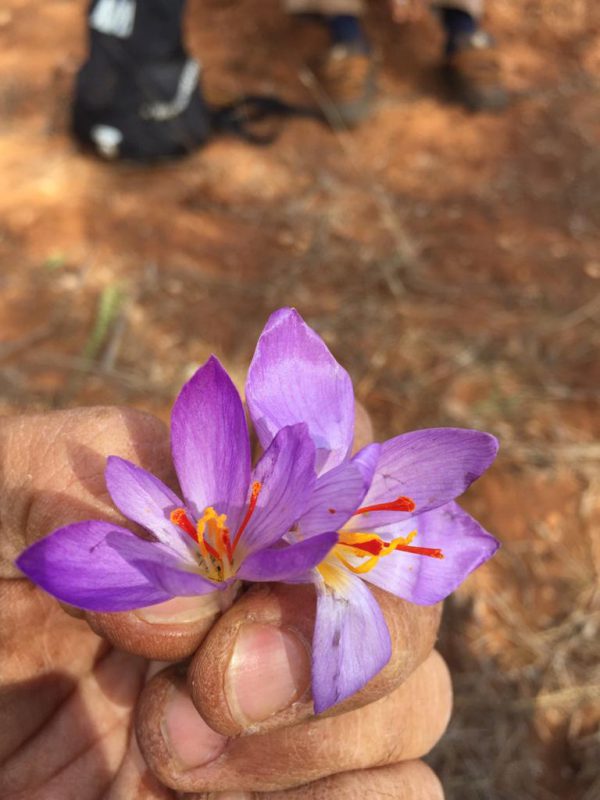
{"x":369,"y":546}
{"x":211,"y":534}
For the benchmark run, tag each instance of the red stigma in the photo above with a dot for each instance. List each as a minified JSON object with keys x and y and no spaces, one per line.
{"x":227,"y":543}
{"x":180,"y":518}
{"x":373,"y":546}
{"x":210,"y":549}
{"x":256,"y":487}
{"x":399,"y":504}
{"x":432,"y":552}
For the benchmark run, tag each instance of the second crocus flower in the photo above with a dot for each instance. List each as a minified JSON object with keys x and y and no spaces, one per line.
{"x":392,"y":504}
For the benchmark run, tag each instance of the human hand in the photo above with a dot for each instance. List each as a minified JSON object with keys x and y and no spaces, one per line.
{"x":66,"y":684}
{"x":67,"y":694}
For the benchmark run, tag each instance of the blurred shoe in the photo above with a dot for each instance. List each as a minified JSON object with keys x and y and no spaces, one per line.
{"x":348,"y":74}
{"x":473,"y":73}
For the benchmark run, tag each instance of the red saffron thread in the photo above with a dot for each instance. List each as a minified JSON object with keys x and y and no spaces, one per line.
{"x":399,"y":504}
{"x":179,"y":518}
{"x":256,"y":487}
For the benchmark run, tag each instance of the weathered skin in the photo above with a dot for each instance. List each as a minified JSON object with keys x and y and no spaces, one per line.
{"x":82,"y":679}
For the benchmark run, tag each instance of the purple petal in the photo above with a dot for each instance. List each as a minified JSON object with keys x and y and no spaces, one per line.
{"x":162,"y":567}
{"x":210,"y":443}
{"x":337,"y":495}
{"x":144,"y":499}
{"x":286,"y":473}
{"x":424,"y":580}
{"x":366,"y":460}
{"x":294,"y":378}
{"x":351,"y":643}
{"x":75,"y":565}
{"x":431,"y":467}
{"x":284,"y":563}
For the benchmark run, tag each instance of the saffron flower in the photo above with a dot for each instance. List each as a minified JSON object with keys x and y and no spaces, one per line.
{"x":392,"y":504}
{"x":227,"y":527}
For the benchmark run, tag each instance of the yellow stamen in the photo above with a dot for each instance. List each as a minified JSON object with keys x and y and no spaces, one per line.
{"x":373,"y":547}
{"x":211,"y":534}
{"x":213,"y":540}
{"x":333,"y":576}
{"x":361,"y":568}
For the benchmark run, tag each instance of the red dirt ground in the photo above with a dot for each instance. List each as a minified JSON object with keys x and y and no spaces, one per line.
{"x":451,"y":262}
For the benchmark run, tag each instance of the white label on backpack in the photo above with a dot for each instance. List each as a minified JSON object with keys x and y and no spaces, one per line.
{"x":107,"y":140}
{"x":114,"y":17}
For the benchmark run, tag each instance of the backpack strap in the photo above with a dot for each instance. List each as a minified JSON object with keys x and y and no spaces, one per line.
{"x":240,"y":117}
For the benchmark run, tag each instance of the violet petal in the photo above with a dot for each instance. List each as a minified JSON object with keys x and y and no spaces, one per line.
{"x":144,"y":499}
{"x":210,"y":443}
{"x":286,"y":472}
{"x":366,"y":460}
{"x":431,"y":467}
{"x":337,"y":495}
{"x":425,"y":580}
{"x":165,"y":569}
{"x":76,"y":566}
{"x":294,"y":378}
{"x":351,"y":642}
{"x":283,"y":563}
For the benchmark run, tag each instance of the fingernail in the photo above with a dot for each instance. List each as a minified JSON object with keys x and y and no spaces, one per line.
{"x":191,"y":742}
{"x":182,"y":610}
{"x":268,"y":671}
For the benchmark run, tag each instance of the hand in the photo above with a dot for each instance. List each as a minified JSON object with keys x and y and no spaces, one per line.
{"x":68,"y":697}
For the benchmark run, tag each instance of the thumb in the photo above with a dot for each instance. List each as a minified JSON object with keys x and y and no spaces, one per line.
{"x":252,"y":673}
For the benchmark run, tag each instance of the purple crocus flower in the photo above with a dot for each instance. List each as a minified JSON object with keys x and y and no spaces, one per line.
{"x":228,"y":527}
{"x":392,"y":504}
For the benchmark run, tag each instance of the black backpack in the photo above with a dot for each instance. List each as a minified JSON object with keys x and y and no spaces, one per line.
{"x":138,"y":96}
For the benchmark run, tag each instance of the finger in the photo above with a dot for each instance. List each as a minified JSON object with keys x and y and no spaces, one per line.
{"x":35,"y":636}
{"x":167,"y":631}
{"x":187,"y":755}
{"x":252,"y":672}
{"x":134,"y":780}
{"x":53,"y":469}
{"x":411,"y":780}
{"x":54,"y":475}
{"x":91,"y":724}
